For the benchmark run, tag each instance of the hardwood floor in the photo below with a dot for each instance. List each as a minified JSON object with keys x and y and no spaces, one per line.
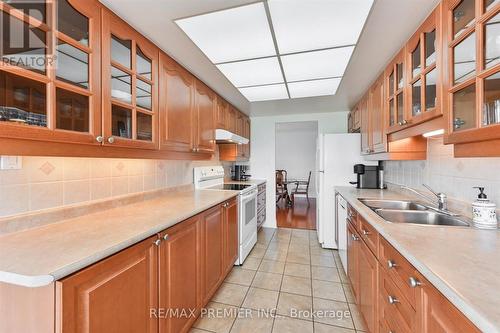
{"x":300,"y":216}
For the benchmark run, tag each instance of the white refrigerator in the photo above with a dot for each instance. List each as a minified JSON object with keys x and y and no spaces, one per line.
{"x":336,"y":155}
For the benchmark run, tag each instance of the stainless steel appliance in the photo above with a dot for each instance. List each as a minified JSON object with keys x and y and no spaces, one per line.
{"x":239,"y":173}
{"x":212,"y":178}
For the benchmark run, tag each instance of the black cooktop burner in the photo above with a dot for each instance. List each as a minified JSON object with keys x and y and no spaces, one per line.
{"x":235,"y":187}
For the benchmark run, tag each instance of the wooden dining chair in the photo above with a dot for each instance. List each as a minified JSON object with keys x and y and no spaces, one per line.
{"x":281,"y":188}
{"x":302,"y":187}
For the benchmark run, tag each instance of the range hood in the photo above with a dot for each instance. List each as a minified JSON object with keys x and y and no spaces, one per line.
{"x":223,"y":136}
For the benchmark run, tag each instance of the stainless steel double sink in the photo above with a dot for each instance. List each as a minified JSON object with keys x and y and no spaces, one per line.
{"x":413,"y":212}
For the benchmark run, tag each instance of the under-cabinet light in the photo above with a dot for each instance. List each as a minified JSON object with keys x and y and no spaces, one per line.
{"x":433,"y":133}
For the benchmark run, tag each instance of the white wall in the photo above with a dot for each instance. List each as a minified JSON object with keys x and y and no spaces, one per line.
{"x":296,"y":150}
{"x":263,"y":137}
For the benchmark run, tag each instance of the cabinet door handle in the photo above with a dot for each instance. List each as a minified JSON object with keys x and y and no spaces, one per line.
{"x":165,"y":237}
{"x":354,"y":237}
{"x":405,"y":122}
{"x":391,"y":264}
{"x":392,"y":300}
{"x":414,"y":283}
{"x":157,"y":242}
{"x":366,"y":233}
{"x":111,"y":139}
{"x":99,"y":139}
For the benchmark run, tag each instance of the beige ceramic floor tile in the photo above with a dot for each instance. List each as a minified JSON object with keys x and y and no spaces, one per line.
{"x":325,"y":273}
{"x":328,"y":290}
{"x":232,"y":294}
{"x":325,"y":261}
{"x":268,"y":281}
{"x":296,"y":285}
{"x":319,"y":251}
{"x":253,"y":323}
{"x":356,"y":317}
{"x":196,"y":330}
{"x":261,"y":299}
{"x":218,"y":318}
{"x":298,"y":258}
{"x":271,"y":266}
{"x":298,"y":270}
{"x":332,"y":313}
{"x":348,"y":293}
{"x":289,"y":325}
{"x":251,"y":263}
{"x":322,"y":328}
{"x":296,"y":306}
{"x":275,"y":255}
{"x":257,"y":252}
{"x":241,"y":276}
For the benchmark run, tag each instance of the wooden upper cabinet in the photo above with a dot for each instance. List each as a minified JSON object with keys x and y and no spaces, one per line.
{"x":212,"y":252}
{"x":377,"y":115}
{"x":354,"y":120}
{"x":114,"y":295}
{"x":177,"y":87}
{"x":221,"y":114}
{"x":395,"y":83}
{"x":231,"y":119}
{"x":424,"y":70}
{"x":57,"y":95}
{"x":205,"y":105}
{"x":365,"y":125}
{"x":129,"y":85}
{"x":473,"y":88}
{"x":180,"y":274}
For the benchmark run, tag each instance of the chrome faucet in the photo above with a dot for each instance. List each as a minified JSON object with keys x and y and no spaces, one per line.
{"x":441,"y":197}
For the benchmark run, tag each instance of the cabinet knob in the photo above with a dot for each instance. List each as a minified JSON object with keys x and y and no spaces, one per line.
{"x":391,"y":264}
{"x":99,"y":139}
{"x":392,"y":300}
{"x":405,"y":122}
{"x":366,"y":233}
{"x":111,"y":139}
{"x":414,"y":283}
{"x":354,"y":237}
{"x":165,"y":237}
{"x":157,"y":242}
{"x":400,"y":123}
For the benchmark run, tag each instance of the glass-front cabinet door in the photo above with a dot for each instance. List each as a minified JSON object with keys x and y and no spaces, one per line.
{"x":129,"y":79}
{"x":474,"y":70}
{"x":50,"y":73}
{"x":394,"y":93}
{"x":423,"y":54}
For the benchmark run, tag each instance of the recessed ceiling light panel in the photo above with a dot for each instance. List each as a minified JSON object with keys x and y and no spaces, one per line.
{"x":302,"y":25}
{"x":253,"y":72}
{"x":265,"y":93}
{"x":317,"y":64}
{"x":233,"y":34}
{"x":313,"y":88}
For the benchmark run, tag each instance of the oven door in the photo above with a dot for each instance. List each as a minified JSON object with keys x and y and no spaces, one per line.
{"x":248,"y":223}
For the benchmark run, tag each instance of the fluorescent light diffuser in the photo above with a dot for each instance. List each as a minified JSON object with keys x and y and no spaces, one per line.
{"x":433,"y":133}
{"x":313,"y":88}
{"x":233,"y":34}
{"x":253,"y":72}
{"x":265,"y":93}
{"x":316,"y":65}
{"x":302,"y":25}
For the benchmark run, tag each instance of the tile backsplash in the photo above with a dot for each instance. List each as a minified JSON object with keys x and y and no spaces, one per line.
{"x":454,"y":176}
{"x":50,"y":182}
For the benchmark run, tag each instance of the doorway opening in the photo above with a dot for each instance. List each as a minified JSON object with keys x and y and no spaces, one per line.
{"x":296,"y":174}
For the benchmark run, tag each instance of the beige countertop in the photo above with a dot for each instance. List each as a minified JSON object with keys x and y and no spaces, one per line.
{"x":39,"y":256}
{"x":462,"y":263}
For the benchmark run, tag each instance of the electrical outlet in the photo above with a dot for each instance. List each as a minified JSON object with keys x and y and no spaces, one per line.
{"x":11,"y":162}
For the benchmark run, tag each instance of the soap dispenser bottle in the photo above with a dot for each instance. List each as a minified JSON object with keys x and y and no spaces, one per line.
{"x":484,"y":214}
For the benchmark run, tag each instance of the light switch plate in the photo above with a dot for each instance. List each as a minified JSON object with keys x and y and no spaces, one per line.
{"x":11,"y":162}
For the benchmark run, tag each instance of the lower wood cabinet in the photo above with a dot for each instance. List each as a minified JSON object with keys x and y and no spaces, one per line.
{"x":180,"y":275}
{"x":392,"y":296}
{"x":114,"y":295}
{"x":157,"y":285}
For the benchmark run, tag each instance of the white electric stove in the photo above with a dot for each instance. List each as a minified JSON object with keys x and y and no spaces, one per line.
{"x":212,"y":178}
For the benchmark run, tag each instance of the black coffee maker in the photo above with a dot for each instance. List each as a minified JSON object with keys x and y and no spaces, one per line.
{"x":239,"y":173}
{"x":367,"y":176}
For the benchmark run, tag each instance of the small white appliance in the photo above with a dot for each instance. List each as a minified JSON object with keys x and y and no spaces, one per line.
{"x":341,"y":229}
{"x":336,"y":155}
{"x":212,"y":178}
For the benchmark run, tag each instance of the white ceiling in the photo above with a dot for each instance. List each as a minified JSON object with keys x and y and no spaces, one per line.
{"x":390,"y":23}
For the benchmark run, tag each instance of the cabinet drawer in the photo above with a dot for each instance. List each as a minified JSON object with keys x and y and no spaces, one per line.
{"x":395,"y":311}
{"x":368,"y":234}
{"x":399,"y":269}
